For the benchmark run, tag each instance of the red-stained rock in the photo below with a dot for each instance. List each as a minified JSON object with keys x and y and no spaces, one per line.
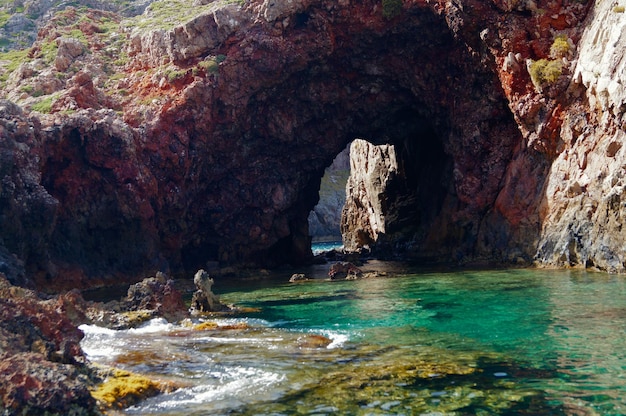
{"x":30,"y":384}
{"x":42,"y":368}
{"x":208,"y":142}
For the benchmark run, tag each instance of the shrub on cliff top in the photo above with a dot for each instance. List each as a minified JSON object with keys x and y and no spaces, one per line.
{"x":45,"y":105}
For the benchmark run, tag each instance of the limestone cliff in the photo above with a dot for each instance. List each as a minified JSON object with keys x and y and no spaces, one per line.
{"x":199,"y":133}
{"x":583,"y":208}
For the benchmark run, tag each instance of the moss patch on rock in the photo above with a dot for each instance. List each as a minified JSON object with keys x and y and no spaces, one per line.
{"x":122,"y":389}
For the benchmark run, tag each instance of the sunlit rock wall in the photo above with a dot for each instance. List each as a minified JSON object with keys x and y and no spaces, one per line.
{"x":584,"y":208}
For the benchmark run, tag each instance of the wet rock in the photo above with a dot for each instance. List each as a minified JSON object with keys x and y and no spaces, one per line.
{"x":344,"y":270}
{"x":370,"y":274}
{"x":122,"y":389}
{"x":30,"y":384}
{"x":155,"y":296}
{"x":203,"y":299}
{"x":214,"y":326}
{"x":42,"y":368}
{"x":313,"y":341}
{"x":298,"y":277}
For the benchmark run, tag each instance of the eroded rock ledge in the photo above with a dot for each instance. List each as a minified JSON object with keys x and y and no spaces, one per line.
{"x":196,"y":134}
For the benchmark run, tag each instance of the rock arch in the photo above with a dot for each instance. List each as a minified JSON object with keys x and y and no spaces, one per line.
{"x":296,"y":94}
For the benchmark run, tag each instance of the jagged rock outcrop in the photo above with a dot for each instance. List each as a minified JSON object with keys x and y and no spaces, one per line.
{"x":211,"y":130}
{"x":367,"y":211}
{"x":203,"y":299}
{"x":27,"y":210}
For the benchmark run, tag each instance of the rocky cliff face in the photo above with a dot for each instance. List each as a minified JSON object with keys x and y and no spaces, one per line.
{"x":582,"y":210}
{"x":200,"y":133}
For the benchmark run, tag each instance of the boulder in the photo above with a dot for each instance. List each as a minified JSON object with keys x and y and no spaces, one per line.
{"x":298,"y":277}
{"x":155,"y":296}
{"x":345,"y":270}
{"x":42,"y":368}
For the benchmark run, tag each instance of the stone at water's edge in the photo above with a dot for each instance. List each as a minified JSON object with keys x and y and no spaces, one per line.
{"x":203,"y":299}
{"x":208,"y":135}
{"x":42,"y":368}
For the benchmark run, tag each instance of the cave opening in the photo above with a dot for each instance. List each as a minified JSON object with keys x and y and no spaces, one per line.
{"x":411,"y":86}
{"x":384,"y":194}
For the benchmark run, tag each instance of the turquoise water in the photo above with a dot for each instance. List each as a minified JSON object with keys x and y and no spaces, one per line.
{"x":457,"y":343}
{"x":323,"y":246}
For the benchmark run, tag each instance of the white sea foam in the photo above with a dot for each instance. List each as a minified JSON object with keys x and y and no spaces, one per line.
{"x":96,"y":330}
{"x":103,"y":343}
{"x":226,"y":390}
{"x":99,"y":342}
{"x":153,"y":326}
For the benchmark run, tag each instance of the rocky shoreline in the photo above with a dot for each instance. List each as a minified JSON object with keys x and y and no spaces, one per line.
{"x":42,"y":367}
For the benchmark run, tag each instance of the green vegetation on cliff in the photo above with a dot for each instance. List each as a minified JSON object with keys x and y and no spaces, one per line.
{"x":9,"y":62}
{"x":167,"y":14}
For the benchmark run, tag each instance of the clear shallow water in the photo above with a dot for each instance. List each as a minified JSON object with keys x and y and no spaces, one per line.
{"x":486,"y":343}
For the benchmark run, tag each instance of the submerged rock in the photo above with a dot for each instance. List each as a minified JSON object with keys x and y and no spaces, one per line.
{"x":312,"y":341}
